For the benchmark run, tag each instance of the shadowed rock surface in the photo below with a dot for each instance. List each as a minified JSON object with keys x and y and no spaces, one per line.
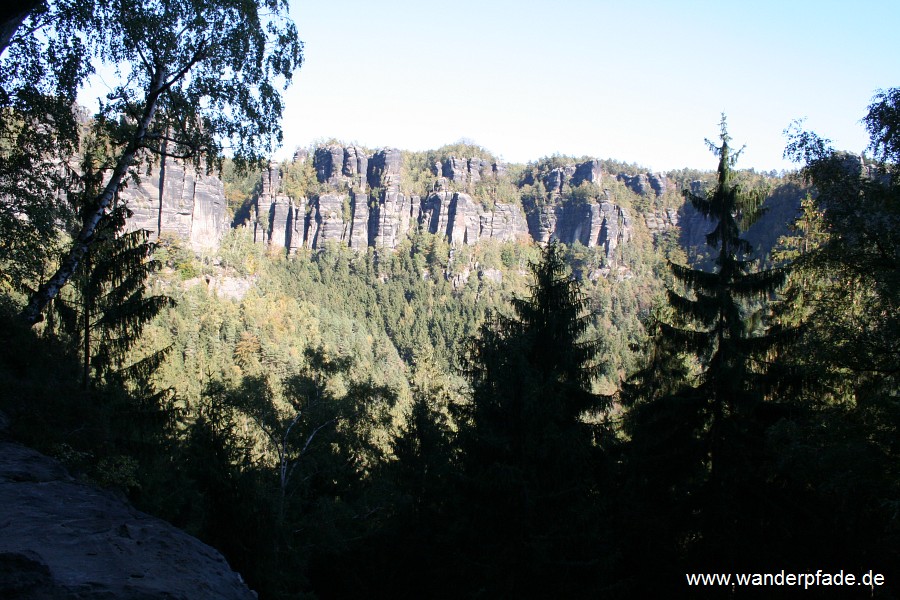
{"x":178,"y":201}
{"x":60,"y":538}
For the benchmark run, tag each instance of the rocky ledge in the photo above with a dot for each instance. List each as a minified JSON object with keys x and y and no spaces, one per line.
{"x":60,"y":538}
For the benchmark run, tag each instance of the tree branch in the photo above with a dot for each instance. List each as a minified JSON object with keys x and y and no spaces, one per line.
{"x":32,"y":313}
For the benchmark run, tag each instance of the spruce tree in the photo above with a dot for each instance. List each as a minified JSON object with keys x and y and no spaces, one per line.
{"x":109,"y":303}
{"x":696,"y":413}
{"x":714,"y":321}
{"x":529,"y":451}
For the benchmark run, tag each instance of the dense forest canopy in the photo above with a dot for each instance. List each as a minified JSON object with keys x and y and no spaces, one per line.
{"x":441,"y":418}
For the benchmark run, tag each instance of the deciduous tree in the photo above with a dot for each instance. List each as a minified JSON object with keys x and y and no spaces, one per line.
{"x":193,"y":78}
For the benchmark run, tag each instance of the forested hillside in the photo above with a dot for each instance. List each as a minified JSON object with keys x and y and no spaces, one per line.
{"x":381,"y":373}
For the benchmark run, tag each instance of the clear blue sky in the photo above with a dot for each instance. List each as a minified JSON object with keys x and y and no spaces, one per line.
{"x":641,"y":81}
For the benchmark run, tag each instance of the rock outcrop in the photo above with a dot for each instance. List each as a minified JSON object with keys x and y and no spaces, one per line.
{"x":591,"y":224}
{"x":362,"y":205}
{"x":177,"y":200}
{"x":359,"y":202}
{"x":589,"y":171}
{"x":644,"y":184}
{"x":63,"y":539}
{"x":366,"y":206}
{"x":557,"y":178}
{"x":661,"y":220}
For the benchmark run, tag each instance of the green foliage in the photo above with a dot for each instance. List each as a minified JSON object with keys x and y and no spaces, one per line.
{"x":696,"y":410}
{"x":40,"y":73}
{"x":883,"y":124}
{"x":170,"y":98}
{"x":848,"y":258}
{"x":528,"y":450}
{"x":299,"y":179}
{"x":464,"y":148}
{"x":240,"y":188}
{"x":107,"y":307}
{"x":315,"y":420}
{"x":256,"y":42}
{"x":113,"y":434}
{"x":416,"y":174}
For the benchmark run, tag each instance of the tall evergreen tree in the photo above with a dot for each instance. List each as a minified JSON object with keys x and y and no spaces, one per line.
{"x":529,"y":453}
{"x":714,"y":320}
{"x":696,"y":412}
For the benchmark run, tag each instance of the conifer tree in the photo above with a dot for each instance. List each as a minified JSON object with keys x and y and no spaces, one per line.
{"x":714,"y":321}
{"x":529,"y":455}
{"x":695,"y":412}
{"x":109,"y":303}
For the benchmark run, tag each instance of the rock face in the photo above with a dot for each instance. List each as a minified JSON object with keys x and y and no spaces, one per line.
{"x":361,"y":204}
{"x":178,"y":201}
{"x":591,"y":224}
{"x":283,"y":223}
{"x":505,"y":223}
{"x":690,"y":225}
{"x":645,"y":183}
{"x":661,"y":220}
{"x":589,"y":171}
{"x":557,"y":178}
{"x":63,"y":539}
{"x":329,"y":162}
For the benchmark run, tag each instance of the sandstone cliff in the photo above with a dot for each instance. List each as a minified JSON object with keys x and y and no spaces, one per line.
{"x":360,"y":200}
{"x":176,"y":200}
{"x":361,"y":203}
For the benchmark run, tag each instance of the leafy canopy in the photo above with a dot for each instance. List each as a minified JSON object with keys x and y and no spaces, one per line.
{"x":191,"y":79}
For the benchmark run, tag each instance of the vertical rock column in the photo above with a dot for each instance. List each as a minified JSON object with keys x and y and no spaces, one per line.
{"x":178,"y":201}
{"x":390,"y":215}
